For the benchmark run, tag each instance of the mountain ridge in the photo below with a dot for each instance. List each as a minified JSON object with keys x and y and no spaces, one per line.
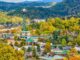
{"x":7,"y":6}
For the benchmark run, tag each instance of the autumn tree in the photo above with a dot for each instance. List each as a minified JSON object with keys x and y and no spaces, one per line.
{"x":48,"y":47}
{"x":8,"y":53}
{"x":47,"y":27}
{"x":78,"y":40}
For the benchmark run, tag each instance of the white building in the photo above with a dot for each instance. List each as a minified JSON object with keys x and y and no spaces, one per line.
{"x":39,"y":20}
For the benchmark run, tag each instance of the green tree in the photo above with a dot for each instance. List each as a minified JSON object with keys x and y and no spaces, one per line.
{"x":16,"y":43}
{"x":70,"y":44}
{"x":29,"y":49}
{"x":23,"y":42}
{"x":34,"y":52}
{"x":15,"y":37}
{"x":55,"y":36}
{"x":64,"y":43}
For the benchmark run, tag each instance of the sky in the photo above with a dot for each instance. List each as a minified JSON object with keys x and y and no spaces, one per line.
{"x":31,"y":0}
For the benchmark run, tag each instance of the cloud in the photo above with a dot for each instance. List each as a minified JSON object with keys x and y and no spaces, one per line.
{"x":12,"y":0}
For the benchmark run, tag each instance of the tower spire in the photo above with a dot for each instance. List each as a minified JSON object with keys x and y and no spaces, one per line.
{"x":24,"y":26}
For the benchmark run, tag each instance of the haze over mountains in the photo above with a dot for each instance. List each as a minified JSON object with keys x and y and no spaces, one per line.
{"x":43,"y":9}
{"x":18,"y":1}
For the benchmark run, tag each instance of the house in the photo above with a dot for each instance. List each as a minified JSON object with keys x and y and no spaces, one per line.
{"x":77,"y":48}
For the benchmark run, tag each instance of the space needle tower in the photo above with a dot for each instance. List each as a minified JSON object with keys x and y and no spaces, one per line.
{"x":25,"y":31}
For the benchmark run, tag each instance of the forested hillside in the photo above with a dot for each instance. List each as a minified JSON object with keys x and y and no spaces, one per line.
{"x":43,"y":9}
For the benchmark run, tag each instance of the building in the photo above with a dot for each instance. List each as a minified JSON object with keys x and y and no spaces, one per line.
{"x":38,"y":20}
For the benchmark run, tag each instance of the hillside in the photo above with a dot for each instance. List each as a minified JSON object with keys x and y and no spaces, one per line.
{"x":7,"y":6}
{"x":67,"y":8}
{"x":43,"y":9}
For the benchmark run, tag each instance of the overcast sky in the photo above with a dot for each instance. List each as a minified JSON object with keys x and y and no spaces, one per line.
{"x":30,"y":0}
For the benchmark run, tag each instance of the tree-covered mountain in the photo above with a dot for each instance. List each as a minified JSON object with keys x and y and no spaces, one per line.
{"x":7,"y":6}
{"x":43,"y":9}
{"x":67,"y":8}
